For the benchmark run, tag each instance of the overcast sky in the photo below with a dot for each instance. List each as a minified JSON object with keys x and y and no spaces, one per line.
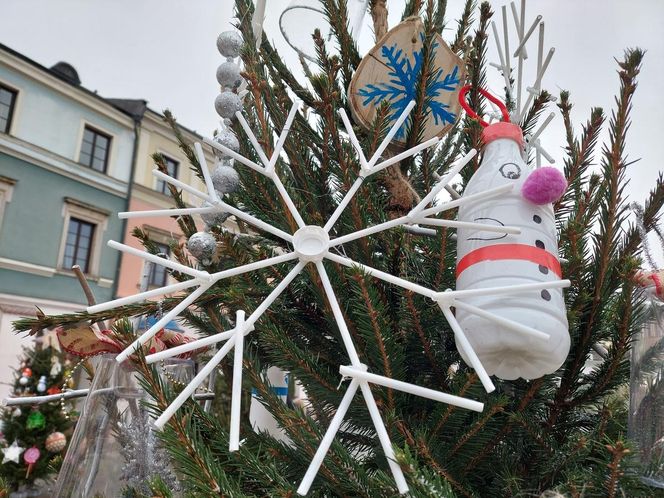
{"x":164,"y":51}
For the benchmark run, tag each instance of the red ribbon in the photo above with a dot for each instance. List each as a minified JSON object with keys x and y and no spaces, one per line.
{"x":521,"y":252}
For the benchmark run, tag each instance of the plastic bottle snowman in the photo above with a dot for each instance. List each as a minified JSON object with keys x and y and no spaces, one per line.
{"x":487,"y":259}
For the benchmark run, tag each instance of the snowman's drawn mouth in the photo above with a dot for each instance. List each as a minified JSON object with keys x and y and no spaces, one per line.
{"x":495,"y":222}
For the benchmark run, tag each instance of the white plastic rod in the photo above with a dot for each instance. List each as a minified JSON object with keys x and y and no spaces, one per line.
{"x":190,"y":346}
{"x":469,"y":225}
{"x":413,"y":389}
{"x":453,"y":193}
{"x":239,"y":158}
{"x":523,"y":42}
{"x":370,"y":230}
{"x":503,"y":67}
{"x":255,"y":221}
{"x":509,"y":324}
{"x":223,"y":336}
{"x":323,"y":448}
{"x":236,"y":393}
{"x":444,"y":181}
{"x":492,"y":192}
{"x":287,"y":199}
{"x":252,"y":138}
{"x":540,"y":48}
{"x":166,"y":212}
{"x":38,"y":400}
{"x":189,"y":389}
{"x":343,"y":204}
{"x":403,"y":155}
{"x":504,"y":290}
{"x":522,"y":53}
{"x":353,"y":139}
{"x":544,"y":124}
{"x":239,"y":270}
{"x":136,"y":298}
{"x":162,"y":322}
{"x":181,"y":185}
{"x":387,"y":277}
{"x":203,"y":275}
{"x":198,"y":150}
{"x":468,"y":349}
{"x":538,"y":82}
{"x":507,"y":43}
{"x":282,"y":138}
{"x":338,"y":315}
{"x":538,"y":146}
{"x":390,"y":134}
{"x":384,"y":438}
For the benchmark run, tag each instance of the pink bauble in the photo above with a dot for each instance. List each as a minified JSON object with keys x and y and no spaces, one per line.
{"x":544,"y":186}
{"x":56,"y":442}
{"x":31,"y":455}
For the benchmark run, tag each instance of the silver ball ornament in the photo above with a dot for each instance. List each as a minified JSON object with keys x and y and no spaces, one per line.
{"x":228,"y":75}
{"x":215,"y":218}
{"x":23,"y":380}
{"x":227,"y":104}
{"x":202,"y":246}
{"x":225,"y":179}
{"x":228,"y":139}
{"x":229,"y":43}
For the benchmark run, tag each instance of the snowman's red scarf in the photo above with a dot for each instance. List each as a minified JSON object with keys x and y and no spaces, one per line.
{"x":510,"y":251}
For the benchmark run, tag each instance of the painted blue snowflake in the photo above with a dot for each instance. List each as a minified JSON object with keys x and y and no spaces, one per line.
{"x":401,"y":88}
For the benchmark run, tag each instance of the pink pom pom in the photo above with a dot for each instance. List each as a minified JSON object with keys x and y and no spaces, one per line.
{"x":544,"y":185}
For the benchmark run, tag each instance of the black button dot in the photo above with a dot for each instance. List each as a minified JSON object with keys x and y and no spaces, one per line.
{"x":543,"y":269}
{"x":539,"y":244}
{"x":546,"y":295}
{"x":537,"y":219}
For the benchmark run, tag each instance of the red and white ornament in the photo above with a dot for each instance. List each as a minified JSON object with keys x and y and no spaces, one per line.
{"x":486,"y":259}
{"x":56,"y":442}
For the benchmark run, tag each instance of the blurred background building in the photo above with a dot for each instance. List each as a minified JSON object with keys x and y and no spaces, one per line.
{"x":70,"y":160}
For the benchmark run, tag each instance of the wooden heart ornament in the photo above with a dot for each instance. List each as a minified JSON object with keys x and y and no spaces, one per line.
{"x":390,"y":72}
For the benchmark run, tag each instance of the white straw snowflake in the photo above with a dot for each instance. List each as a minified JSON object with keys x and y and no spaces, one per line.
{"x":311,"y":245}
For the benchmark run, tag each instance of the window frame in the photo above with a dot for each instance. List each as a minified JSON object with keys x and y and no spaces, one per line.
{"x":160,"y":185}
{"x":73,"y":208}
{"x":97,"y":132}
{"x":12,"y":108}
{"x":77,"y":246}
{"x":6,"y":192}
{"x":153,"y":271}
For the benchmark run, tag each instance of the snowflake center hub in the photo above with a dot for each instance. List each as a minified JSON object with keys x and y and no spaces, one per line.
{"x":311,"y":243}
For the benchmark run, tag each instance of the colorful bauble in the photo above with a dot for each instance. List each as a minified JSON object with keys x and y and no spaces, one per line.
{"x":229,"y":43}
{"x":228,"y":139}
{"x":202,"y":246}
{"x":17,"y":412}
{"x":228,"y":75}
{"x":225,"y":179}
{"x":53,"y":390}
{"x":215,"y":218}
{"x":56,"y":442}
{"x":23,"y":380}
{"x":36,"y":420}
{"x":26,"y":372}
{"x":41,"y":385}
{"x":31,"y":455}
{"x":227,"y":104}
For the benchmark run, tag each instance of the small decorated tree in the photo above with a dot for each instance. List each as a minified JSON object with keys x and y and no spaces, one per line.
{"x":34,"y":435}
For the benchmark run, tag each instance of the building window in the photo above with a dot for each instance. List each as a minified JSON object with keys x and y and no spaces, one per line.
{"x":158,"y":274}
{"x":82,"y":236}
{"x":78,"y":246}
{"x":95,"y":149}
{"x":7,"y":101}
{"x":171,"y":170}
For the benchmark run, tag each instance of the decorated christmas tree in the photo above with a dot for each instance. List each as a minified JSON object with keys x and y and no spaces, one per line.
{"x":330,"y":282}
{"x":35,"y":436}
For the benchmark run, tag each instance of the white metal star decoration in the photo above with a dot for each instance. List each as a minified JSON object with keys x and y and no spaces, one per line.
{"x":312,"y":245}
{"x":12,"y":453}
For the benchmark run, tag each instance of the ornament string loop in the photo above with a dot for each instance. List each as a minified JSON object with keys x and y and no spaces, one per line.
{"x":488,"y":96}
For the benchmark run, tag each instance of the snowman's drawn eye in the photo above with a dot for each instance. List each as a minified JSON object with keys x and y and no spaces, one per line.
{"x":510,"y":170}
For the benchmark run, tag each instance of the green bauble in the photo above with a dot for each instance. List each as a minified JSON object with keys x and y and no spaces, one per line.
{"x":36,"y":420}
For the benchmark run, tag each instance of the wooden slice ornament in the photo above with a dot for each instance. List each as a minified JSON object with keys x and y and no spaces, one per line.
{"x":390,"y":72}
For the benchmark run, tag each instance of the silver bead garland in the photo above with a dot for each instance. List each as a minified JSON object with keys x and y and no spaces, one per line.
{"x":229,"y":43}
{"x":215,"y":218}
{"x":227,"y":104}
{"x":202,"y":246}
{"x":225,"y":179}
{"x":228,"y":139}
{"x":228,"y":75}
